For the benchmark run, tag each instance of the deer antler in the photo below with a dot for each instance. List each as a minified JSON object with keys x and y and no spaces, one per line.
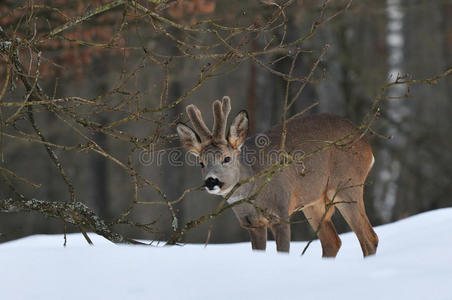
{"x":198,"y":123}
{"x":220,"y":117}
{"x":221,"y":111}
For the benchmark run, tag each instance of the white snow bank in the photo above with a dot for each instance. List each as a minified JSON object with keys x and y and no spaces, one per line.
{"x":413,"y":261}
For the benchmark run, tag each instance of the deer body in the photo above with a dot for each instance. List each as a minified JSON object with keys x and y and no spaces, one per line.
{"x":333,"y":174}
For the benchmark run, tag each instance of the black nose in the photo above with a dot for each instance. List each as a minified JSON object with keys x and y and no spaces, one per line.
{"x":212,"y":182}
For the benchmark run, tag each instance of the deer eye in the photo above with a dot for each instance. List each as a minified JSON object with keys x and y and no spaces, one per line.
{"x":227,"y":159}
{"x":202,"y":164}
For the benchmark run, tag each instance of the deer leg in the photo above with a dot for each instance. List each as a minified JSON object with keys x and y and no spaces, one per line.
{"x":319,"y":217}
{"x":258,"y":237}
{"x":351,"y":207}
{"x":281,"y":233}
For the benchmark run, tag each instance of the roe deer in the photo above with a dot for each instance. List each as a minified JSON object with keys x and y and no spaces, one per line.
{"x":335,"y":174}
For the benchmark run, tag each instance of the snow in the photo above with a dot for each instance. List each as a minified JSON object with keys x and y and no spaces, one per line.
{"x":413,"y":261}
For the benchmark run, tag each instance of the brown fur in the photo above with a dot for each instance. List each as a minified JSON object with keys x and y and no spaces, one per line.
{"x":334,"y":174}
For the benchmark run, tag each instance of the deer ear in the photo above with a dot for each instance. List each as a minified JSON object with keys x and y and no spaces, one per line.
{"x":238,"y":130}
{"x":189,"y":139}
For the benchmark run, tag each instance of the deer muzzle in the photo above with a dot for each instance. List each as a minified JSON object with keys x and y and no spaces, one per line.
{"x":213,"y":184}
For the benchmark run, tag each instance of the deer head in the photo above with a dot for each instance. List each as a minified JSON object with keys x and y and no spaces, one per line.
{"x":218,"y":153}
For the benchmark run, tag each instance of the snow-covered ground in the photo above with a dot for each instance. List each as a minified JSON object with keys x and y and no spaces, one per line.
{"x":413,"y":261}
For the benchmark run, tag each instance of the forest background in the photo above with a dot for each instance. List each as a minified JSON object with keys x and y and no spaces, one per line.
{"x":91,"y":91}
